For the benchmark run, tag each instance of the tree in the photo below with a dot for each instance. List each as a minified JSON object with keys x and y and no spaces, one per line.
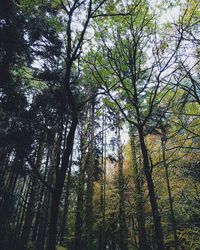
{"x":99,"y":125}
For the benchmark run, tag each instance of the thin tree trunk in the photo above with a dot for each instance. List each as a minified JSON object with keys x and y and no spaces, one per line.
{"x":60,"y":178}
{"x":102,"y":238}
{"x":19,"y":211}
{"x":23,"y":213}
{"x":63,"y":227}
{"x":41,"y":205}
{"x":4,"y":156}
{"x":66,"y":206}
{"x":138,"y":195}
{"x":123,"y":232}
{"x":80,"y":189}
{"x":54,"y":153}
{"x":173,"y":220}
{"x":7,"y":206}
{"x":90,"y":180}
{"x":152,"y":195}
{"x":30,"y":213}
{"x":49,"y":172}
{"x":113,"y":239}
{"x":38,"y":214}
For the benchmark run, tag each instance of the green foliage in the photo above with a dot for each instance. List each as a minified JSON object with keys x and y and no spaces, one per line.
{"x":189,"y":238}
{"x":130,"y":65}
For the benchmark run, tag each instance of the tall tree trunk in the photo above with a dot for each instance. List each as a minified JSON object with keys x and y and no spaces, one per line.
{"x":4,"y":156}
{"x":90,"y":180}
{"x":50,"y":173}
{"x":80,"y":189}
{"x":7,"y":206}
{"x":102,"y":238}
{"x":60,"y":178}
{"x":138,"y":195}
{"x":123,"y":232}
{"x":19,"y":210}
{"x":19,"y":227}
{"x":38,"y":213}
{"x":152,"y":195}
{"x":173,"y":220}
{"x":41,"y":204}
{"x":113,"y":238}
{"x":66,"y":206}
{"x":30,"y":213}
{"x":79,"y":206}
{"x":40,"y":243}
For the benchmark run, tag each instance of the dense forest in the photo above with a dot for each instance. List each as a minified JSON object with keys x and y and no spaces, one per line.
{"x":99,"y":124}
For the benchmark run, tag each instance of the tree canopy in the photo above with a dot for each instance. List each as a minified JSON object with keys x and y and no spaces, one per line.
{"x":99,"y":124}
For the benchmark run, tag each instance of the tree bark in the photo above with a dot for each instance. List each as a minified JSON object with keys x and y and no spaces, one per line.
{"x":138,"y":195}
{"x":30,"y":213}
{"x":102,"y":237}
{"x":152,"y":195}
{"x":90,"y":182}
{"x":80,"y":189}
{"x":123,"y":232}
{"x":60,"y":178}
{"x":66,"y":206}
{"x":173,"y":220}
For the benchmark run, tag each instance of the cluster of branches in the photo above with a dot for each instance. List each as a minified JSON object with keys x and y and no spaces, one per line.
{"x":61,"y":93}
